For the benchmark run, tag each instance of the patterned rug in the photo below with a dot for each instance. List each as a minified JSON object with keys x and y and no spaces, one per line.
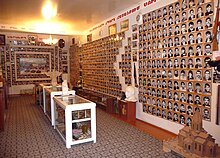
{"x":28,"y":133}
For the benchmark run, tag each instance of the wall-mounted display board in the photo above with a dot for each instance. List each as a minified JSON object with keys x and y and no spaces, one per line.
{"x":25,"y":64}
{"x":75,"y":65}
{"x":63,"y":61}
{"x":129,"y":58}
{"x":98,"y":59}
{"x":32,"y":65}
{"x":125,"y":65}
{"x":175,"y":42}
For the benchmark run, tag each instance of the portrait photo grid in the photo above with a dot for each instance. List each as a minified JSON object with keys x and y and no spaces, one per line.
{"x":175,"y":43}
{"x":99,"y":72}
{"x":129,"y":57}
{"x":125,"y":64}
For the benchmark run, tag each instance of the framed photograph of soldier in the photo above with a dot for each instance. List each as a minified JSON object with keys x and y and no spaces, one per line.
{"x":134,"y":28}
{"x":178,"y":40}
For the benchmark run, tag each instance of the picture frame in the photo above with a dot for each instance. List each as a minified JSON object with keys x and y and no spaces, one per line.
{"x":89,"y":38}
{"x":112,"y":29}
{"x":2,"y":40}
{"x":134,"y":28}
{"x":124,"y":25}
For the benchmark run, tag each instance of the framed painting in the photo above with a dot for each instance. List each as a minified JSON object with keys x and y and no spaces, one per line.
{"x":124,"y":25}
{"x":112,"y":29}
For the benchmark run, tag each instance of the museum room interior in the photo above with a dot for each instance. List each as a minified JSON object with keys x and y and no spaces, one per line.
{"x":110,"y":78}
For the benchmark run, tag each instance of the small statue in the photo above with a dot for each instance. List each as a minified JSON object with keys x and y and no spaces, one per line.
{"x":124,"y":112}
{"x":65,"y":88}
{"x":53,"y":75}
{"x":130,"y":94}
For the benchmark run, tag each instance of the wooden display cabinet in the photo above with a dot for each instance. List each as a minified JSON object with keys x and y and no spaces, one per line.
{"x":127,"y":111}
{"x":103,"y":101}
{"x":111,"y":105}
{"x":3,"y":102}
{"x":218,"y":108}
{"x":2,"y":107}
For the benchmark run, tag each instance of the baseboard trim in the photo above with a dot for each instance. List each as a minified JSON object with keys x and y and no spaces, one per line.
{"x":149,"y":124}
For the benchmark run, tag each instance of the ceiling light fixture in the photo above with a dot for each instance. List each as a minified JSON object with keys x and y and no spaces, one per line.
{"x":50,"y":41}
{"x":49,"y":10}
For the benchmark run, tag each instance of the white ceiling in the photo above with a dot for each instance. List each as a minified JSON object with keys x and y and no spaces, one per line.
{"x":80,"y":14}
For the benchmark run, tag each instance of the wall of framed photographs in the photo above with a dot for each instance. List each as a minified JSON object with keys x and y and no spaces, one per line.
{"x":169,"y":51}
{"x":25,"y":59}
{"x":126,"y":65}
{"x":75,"y":65}
{"x":98,"y":59}
{"x":171,"y":48}
{"x":175,"y":42}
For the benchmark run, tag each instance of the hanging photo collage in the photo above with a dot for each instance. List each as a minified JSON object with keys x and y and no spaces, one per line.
{"x":175,"y":43}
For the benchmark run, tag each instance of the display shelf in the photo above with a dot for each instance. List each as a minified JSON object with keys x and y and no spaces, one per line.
{"x":77,"y":135}
{"x":80,"y":119}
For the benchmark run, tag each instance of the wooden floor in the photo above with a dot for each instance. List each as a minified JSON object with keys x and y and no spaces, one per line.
{"x":152,"y":130}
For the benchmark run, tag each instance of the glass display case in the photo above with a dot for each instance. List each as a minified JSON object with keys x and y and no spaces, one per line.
{"x":75,"y":119}
{"x":49,"y":93}
{"x":39,"y":93}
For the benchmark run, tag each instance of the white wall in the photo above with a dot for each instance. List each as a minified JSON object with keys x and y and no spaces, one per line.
{"x":165,"y":124}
